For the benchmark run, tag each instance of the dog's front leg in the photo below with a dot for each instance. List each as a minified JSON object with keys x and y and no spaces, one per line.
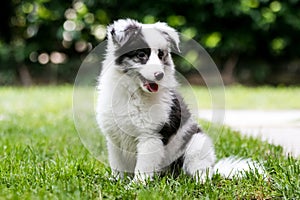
{"x":150,"y":153}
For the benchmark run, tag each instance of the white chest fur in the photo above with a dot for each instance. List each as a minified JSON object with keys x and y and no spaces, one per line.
{"x":125,"y":112}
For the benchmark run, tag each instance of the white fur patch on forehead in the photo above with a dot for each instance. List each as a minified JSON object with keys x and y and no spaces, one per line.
{"x":153,"y":37}
{"x":169,"y":34}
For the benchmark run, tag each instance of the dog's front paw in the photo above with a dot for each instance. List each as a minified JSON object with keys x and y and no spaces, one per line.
{"x":142,"y":178}
{"x":137,"y":181}
{"x":117,"y":175}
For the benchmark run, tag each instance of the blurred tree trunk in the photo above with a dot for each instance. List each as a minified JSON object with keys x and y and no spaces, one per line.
{"x":25,"y":76}
{"x":228,"y":70}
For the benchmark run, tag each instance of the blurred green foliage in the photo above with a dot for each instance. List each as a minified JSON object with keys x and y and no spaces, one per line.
{"x":52,"y":35}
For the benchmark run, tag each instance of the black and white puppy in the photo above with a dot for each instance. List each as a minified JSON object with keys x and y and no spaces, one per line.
{"x":148,"y":127}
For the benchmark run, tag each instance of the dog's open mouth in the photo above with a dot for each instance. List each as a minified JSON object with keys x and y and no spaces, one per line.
{"x":151,"y":86}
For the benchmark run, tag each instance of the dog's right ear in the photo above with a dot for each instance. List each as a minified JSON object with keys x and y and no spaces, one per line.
{"x":122,"y":30}
{"x":170,"y":33}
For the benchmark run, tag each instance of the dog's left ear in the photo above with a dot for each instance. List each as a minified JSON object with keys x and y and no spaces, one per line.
{"x":122,"y":30}
{"x":170,"y":34}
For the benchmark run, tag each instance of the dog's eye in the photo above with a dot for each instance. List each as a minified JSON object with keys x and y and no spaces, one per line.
{"x":141,"y":54}
{"x":160,"y":53}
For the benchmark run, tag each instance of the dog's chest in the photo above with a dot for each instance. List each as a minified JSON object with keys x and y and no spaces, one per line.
{"x":129,"y":114}
{"x":141,"y":116}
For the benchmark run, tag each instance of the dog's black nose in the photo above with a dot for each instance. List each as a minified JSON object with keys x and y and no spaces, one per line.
{"x":158,"y":75}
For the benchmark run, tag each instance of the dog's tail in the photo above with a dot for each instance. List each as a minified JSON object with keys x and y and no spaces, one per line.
{"x":233,"y":166}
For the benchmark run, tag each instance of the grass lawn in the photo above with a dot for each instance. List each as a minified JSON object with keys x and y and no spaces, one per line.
{"x":42,"y":157}
{"x":239,"y":97}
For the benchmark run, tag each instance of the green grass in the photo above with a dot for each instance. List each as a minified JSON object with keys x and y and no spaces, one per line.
{"x":42,"y":157}
{"x":239,"y":97}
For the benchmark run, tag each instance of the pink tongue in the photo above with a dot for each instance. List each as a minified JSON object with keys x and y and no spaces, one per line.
{"x":152,"y":87}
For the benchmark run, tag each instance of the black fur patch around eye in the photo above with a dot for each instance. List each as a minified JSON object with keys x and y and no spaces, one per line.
{"x":143,"y":55}
{"x":160,"y":54}
{"x":134,"y":43}
{"x":139,"y":56}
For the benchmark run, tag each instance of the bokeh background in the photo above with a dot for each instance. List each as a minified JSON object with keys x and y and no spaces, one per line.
{"x":253,"y":42}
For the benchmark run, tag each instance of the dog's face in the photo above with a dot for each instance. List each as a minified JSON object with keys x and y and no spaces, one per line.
{"x":142,"y":52}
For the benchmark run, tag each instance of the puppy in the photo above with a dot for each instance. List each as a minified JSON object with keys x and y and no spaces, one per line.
{"x":148,"y":127}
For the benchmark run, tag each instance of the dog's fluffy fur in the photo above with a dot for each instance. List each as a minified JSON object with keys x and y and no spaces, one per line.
{"x":148,"y":127}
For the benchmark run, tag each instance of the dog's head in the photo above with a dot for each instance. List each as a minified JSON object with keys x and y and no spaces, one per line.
{"x":142,"y":51}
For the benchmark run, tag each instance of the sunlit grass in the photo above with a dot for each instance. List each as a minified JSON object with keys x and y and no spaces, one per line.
{"x":239,"y":97}
{"x":42,"y":157}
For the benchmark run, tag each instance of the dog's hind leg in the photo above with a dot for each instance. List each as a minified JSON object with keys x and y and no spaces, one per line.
{"x":199,"y":157}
